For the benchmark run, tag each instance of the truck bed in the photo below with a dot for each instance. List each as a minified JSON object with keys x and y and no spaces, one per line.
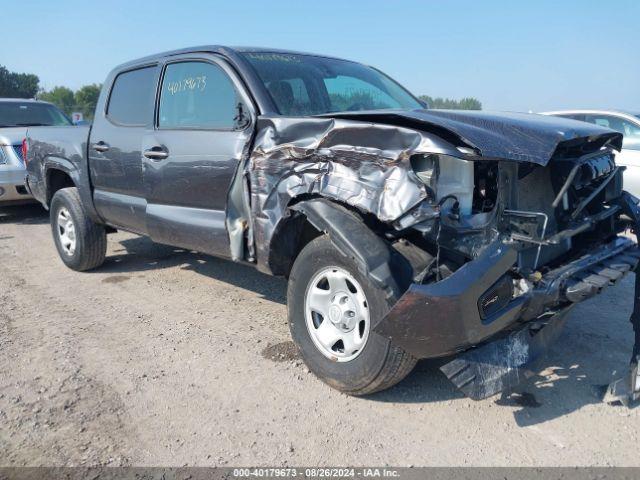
{"x":66,"y":149}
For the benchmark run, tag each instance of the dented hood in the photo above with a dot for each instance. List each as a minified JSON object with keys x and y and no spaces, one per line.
{"x":512,"y":136}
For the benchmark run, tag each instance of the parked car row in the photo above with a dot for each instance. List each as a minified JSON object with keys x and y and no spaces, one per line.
{"x":16,"y":115}
{"x":404,"y":233}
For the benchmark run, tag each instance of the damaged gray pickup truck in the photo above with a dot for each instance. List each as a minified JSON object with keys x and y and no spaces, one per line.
{"x":405,"y":233}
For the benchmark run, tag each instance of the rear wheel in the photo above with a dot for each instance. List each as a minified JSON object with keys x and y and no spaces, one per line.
{"x":332,"y":308}
{"x":81,"y":243}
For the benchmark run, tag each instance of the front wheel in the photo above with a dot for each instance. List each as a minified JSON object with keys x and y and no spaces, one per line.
{"x":81,"y":243}
{"x":332,"y":308}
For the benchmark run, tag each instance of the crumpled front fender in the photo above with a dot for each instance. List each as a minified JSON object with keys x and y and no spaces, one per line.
{"x":443,"y":318}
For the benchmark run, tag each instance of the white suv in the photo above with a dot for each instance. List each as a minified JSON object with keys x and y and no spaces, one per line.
{"x":16,"y":115}
{"x":626,"y":123}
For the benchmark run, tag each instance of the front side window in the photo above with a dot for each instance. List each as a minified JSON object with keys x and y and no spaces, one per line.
{"x":132,"y":97}
{"x":31,"y":114}
{"x":630,"y":130}
{"x":308,"y":85}
{"x":197,"y":95}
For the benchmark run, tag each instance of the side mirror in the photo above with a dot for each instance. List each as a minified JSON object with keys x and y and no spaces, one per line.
{"x":424,"y":104}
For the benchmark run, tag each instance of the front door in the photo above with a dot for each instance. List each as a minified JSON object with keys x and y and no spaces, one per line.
{"x":203,"y":125}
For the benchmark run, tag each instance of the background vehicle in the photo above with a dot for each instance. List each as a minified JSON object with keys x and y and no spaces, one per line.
{"x":627,"y":123}
{"x":405,"y":233}
{"x":15,"y":116}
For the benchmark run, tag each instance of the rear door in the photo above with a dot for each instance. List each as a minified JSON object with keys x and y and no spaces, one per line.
{"x":115,"y":149}
{"x":203,"y":125}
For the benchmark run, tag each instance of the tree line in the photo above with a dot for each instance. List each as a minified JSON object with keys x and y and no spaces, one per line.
{"x":467,"y":103}
{"x":27,"y":85}
{"x":83,"y":100}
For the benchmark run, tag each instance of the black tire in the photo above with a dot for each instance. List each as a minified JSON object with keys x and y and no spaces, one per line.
{"x":90,"y":237}
{"x":380,"y":364}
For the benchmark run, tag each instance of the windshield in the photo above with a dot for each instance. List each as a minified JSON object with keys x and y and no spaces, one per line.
{"x":29,"y":114}
{"x":306,"y":85}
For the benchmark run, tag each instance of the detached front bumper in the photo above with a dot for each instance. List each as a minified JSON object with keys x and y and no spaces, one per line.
{"x":468,"y":309}
{"x":445,"y":318}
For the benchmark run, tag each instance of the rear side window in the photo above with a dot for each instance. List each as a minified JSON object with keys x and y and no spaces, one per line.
{"x":197,"y":95}
{"x":605,"y":121}
{"x":574,"y":116}
{"x":132,"y":97}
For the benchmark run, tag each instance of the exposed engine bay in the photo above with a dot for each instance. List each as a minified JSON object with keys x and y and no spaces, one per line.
{"x":472,"y":238}
{"x":431,"y":187}
{"x":546,"y":212}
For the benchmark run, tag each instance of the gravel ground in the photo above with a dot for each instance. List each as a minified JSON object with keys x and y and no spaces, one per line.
{"x":167,"y":357}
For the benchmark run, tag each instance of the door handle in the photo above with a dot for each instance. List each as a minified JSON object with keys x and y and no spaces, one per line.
{"x":156,"y":153}
{"x":101,"y":147}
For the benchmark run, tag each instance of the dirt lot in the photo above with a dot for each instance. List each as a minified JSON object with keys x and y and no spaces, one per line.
{"x":166,"y":357}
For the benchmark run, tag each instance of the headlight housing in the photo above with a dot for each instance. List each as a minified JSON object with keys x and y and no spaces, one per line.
{"x":425,"y":166}
{"x":445,"y":176}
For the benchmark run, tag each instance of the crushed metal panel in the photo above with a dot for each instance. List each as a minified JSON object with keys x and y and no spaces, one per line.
{"x":238,"y":215}
{"x":360,"y":164}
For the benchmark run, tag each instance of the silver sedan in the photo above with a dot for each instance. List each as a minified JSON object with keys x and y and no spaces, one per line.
{"x":16,"y":115}
{"x":627,"y":123}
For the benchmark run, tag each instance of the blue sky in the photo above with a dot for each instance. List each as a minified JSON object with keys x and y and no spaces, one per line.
{"x":512,"y":55}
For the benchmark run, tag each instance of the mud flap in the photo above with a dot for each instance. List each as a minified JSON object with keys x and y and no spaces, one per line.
{"x":504,"y":363}
{"x":626,"y":390}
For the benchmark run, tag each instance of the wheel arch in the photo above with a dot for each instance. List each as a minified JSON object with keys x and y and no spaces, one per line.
{"x":350,"y":234}
{"x":60,"y":173}
{"x":57,"y":178}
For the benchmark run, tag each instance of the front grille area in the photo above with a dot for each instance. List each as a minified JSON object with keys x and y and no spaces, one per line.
{"x":17,"y":149}
{"x":536,"y":194}
{"x":561,"y":197}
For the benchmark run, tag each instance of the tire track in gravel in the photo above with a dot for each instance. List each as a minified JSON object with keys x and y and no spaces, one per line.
{"x":156,"y":358}
{"x":53,"y":412}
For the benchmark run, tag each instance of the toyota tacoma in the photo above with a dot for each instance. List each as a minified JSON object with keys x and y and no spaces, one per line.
{"x":404,"y":232}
